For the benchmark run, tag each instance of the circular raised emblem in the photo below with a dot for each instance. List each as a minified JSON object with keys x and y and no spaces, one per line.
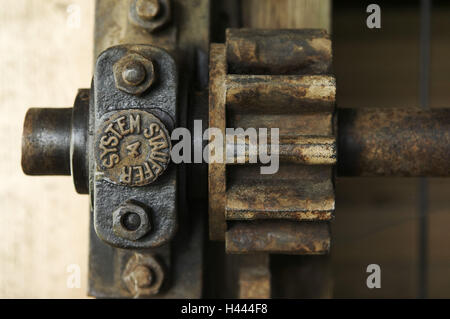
{"x":132,"y":148}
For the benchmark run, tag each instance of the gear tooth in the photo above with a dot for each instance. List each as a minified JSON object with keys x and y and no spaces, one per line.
{"x":274,"y":79}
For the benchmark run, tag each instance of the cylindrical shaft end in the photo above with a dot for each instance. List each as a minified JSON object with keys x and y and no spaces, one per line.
{"x":46,"y":141}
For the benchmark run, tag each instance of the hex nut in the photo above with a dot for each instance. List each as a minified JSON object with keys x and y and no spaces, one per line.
{"x":134,"y":73}
{"x":150,"y":14}
{"x":132,"y":228}
{"x":144,"y":275}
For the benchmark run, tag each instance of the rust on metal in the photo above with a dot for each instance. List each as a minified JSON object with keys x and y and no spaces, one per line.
{"x":144,"y":275}
{"x":285,"y":237}
{"x":394,"y":142}
{"x":216,"y":176}
{"x":296,"y":192}
{"x":306,"y":124}
{"x":253,"y":51}
{"x":151,"y":15}
{"x":257,"y":201}
{"x":147,"y":9}
{"x":46,"y":141}
{"x":275,"y":79}
{"x":274,"y":94}
{"x":308,"y":150}
{"x":315,"y":150}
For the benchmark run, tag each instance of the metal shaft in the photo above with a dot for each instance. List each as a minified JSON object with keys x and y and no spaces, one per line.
{"x":394,"y":142}
{"x":46,"y":141}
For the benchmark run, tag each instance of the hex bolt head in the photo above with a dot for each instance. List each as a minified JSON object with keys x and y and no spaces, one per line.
{"x":151,"y":15}
{"x":144,"y":275}
{"x":134,"y":73}
{"x":131,"y":221}
{"x":147,"y":9}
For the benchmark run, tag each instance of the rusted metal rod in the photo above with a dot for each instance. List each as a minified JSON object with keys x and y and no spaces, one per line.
{"x":46,"y":141}
{"x":394,"y":142}
{"x":251,"y":51}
